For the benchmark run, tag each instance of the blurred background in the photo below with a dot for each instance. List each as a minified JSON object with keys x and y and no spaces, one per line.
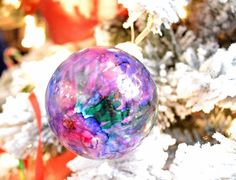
{"x":189,"y":48}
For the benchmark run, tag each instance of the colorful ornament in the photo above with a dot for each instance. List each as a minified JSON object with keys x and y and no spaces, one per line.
{"x":101,"y":103}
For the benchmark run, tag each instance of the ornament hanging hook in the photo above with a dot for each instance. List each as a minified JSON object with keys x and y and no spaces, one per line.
{"x":132,"y":33}
{"x":146,"y":30}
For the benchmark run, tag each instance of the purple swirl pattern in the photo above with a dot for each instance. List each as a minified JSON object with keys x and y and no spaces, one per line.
{"x":101,"y":103}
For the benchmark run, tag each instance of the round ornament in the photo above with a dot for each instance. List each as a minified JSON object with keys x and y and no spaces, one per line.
{"x":101,"y":103}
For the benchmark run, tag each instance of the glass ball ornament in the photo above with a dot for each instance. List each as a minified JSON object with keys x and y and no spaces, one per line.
{"x":101,"y":103}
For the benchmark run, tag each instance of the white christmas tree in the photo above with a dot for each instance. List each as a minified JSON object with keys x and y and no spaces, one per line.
{"x":189,"y":48}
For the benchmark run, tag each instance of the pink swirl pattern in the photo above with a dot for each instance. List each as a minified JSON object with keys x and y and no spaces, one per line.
{"x":101,"y":103}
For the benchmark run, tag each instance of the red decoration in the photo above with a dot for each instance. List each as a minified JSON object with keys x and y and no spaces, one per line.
{"x":67,"y":25}
{"x":1,"y":151}
{"x":55,"y":168}
{"x":39,"y":159}
{"x":64,"y":26}
{"x":30,"y":6}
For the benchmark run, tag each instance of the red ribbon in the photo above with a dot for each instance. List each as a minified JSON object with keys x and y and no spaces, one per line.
{"x":39,"y":159}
